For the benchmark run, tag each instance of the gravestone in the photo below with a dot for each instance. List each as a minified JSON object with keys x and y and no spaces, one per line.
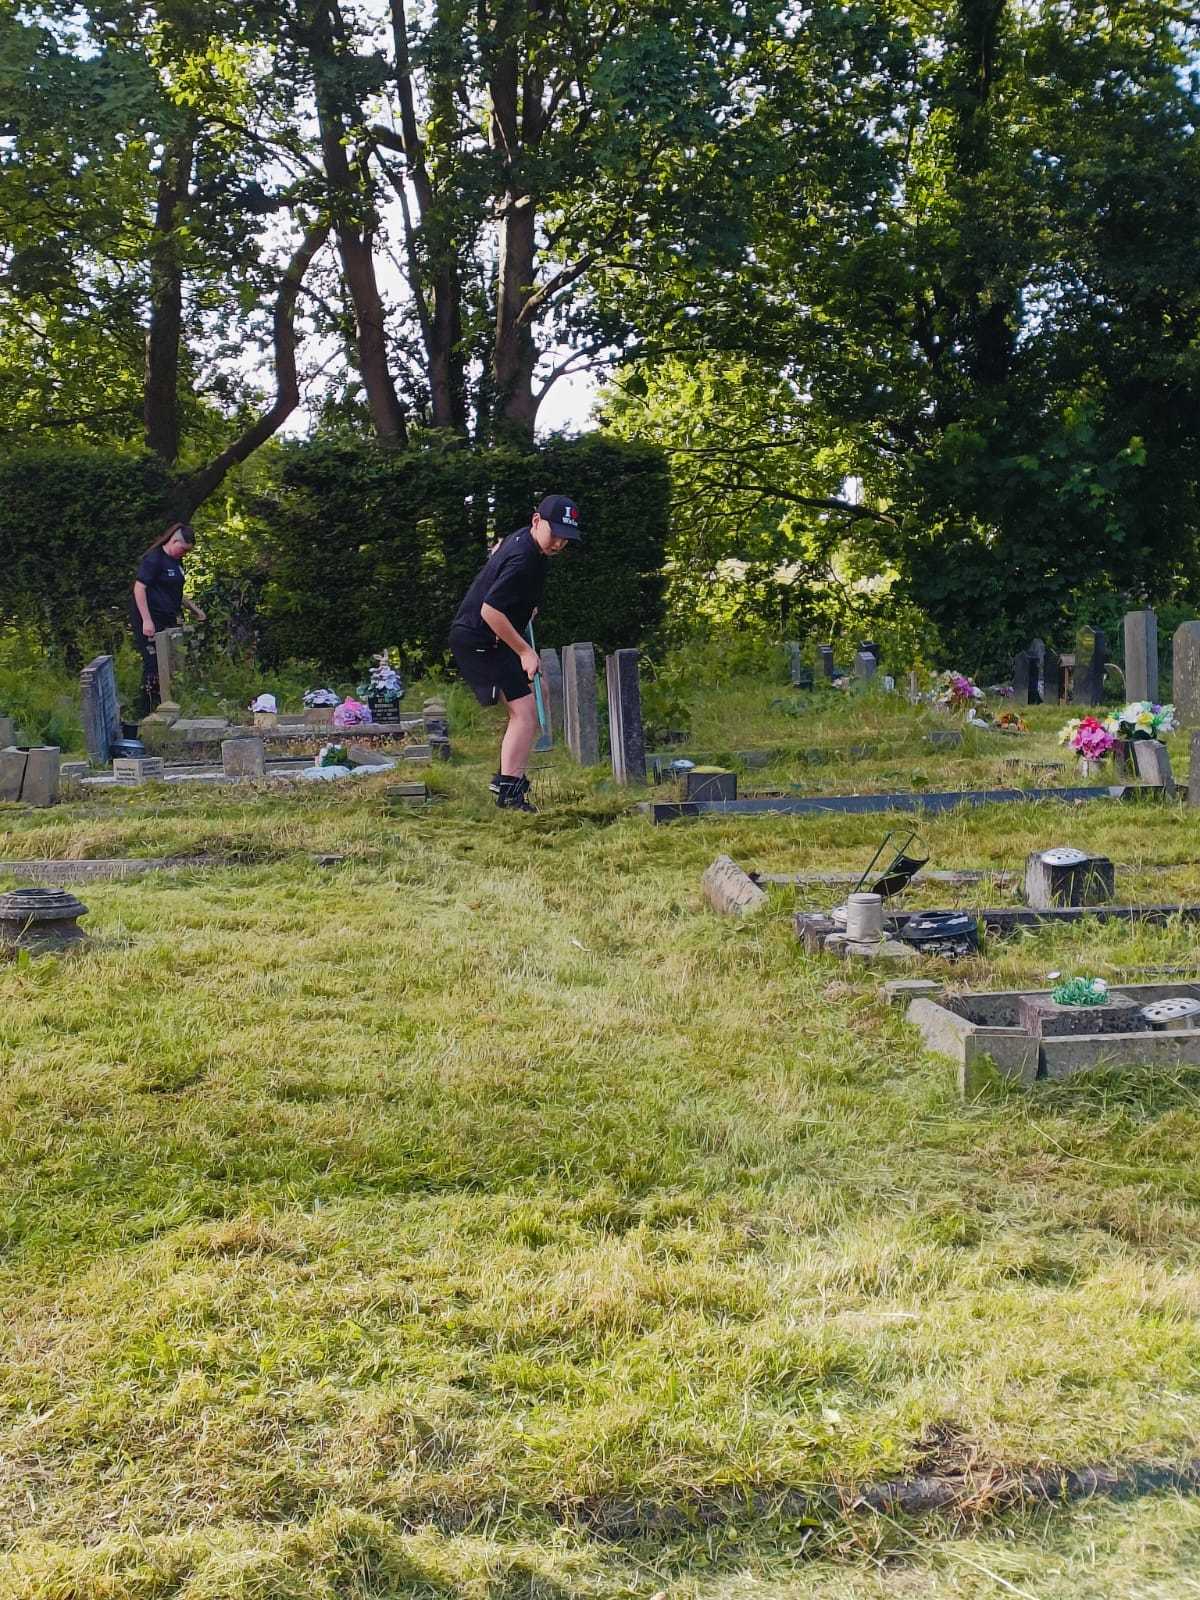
{"x":870,"y":648}
{"x":864,"y":665}
{"x":40,"y":785}
{"x":1050,"y":677}
{"x":101,"y":709}
{"x":552,"y":691}
{"x":130,"y":771}
{"x":579,"y":703}
{"x":8,"y":732}
{"x":170,"y":646}
{"x":1065,"y":877}
{"x":1185,"y":688}
{"x":709,"y":783}
{"x":1024,"y":679}
{"x":626,"y":737}
{"x":795,"y":661}
{"x":1141,"y":655}
{"x":1154,"y":764}
{"x":914,"y":688}
{"x":1194,"y":770}
{"x":244,"y":758}
{"x":825,"y":651}
{"x":12,"y":772}
{"x":1091,"y":657}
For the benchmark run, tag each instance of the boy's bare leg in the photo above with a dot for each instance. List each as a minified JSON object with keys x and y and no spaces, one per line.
{"x":518,"y":736}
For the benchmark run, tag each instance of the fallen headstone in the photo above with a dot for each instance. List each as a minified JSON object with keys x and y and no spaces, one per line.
{"x":731,"y":891}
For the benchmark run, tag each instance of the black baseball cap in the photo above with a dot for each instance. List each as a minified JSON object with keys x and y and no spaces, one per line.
{"x":561,"y":512}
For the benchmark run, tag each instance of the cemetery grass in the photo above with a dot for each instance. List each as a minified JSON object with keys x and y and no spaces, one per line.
{"x":480,"y":1215}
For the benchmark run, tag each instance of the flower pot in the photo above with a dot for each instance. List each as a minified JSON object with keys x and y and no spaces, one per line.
{"x":1087,"y":767}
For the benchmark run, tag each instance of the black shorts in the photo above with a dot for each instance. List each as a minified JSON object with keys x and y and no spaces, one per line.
{"x":490,"y":670}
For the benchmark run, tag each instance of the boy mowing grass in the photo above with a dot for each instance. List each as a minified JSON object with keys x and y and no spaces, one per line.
{"x":487,"y":636}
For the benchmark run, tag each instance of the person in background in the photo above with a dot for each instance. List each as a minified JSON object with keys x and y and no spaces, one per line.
{"x":158,"y":599}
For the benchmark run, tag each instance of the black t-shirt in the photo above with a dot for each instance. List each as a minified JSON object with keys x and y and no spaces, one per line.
{"x":163,"y":576}
{"x":512,"y":581}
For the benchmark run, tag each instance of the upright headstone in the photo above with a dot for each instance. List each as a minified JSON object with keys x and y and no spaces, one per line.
{"x":101,"y":709}
{"x":1141,"y":655}
{"x":626,"y":737}
{"x":170,"y":645}
{"x":8,"y":732}
{"x":579,"y":703}
{"x":1050,"y":679}
{"x":825,"y":651}
{"x":1091,"y":657}
{"x":914,"y":688}
{"x":864,"y":664}
{"x":1185,"y":678}
{"x":1154,"y":764}
{"x":40,"y":787}
{"x":246,"y":758}
{"x":12,"y":772}
{"x":1024,"y":679}
{"x":552,"y":691}
{"x":795,"y":661}
{"x":870,"y":648}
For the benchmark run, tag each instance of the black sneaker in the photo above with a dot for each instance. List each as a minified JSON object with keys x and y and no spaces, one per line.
{"x":511,"y":795}
{"x":494,"y":785}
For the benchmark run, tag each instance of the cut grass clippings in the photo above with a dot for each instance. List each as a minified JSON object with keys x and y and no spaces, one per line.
{"x":481,"y":1215}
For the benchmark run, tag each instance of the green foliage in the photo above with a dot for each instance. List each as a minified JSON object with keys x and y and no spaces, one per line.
{"x":41,"y":699}
{"x":366,"y":548}
{"x":73,"y":521}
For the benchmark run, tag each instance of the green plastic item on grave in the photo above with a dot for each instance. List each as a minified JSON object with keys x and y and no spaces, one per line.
{"x":1081,"y":992}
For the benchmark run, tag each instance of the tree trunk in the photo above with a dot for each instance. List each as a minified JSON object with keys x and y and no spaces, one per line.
{"x":514,"y":355}
{"x":354,"y":223}
{"x":161,"y":393}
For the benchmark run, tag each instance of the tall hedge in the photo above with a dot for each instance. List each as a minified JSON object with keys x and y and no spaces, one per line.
{"x":367,"y":546}
{"x":73,"y":521}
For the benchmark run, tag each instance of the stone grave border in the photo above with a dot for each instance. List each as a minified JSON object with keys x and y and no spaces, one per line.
{"x":976,"y":1029}
{"x":859,"y":804}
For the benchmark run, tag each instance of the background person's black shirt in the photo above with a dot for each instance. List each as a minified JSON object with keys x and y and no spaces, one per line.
{"x":512,"y":581}
{"x":163,"y":577}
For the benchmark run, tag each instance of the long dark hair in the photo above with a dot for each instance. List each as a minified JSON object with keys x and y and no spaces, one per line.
{"x":185,"y":531}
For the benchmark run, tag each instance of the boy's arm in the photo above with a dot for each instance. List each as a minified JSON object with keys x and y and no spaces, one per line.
{"x":507,"y":634}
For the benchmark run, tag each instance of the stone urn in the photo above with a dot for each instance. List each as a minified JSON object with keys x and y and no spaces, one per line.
{"x":40,"y":919}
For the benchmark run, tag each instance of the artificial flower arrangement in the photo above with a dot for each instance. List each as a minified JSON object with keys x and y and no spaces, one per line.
{"x":264,"y":702}
{"x":1088,"y":737}
{"x":1081,"y":992}
{"x":351,"y":714}
{"x":954,"y":691}
{"x":383,"y":683}
{"x":320,"y":697}
{"x":332,"y":755}
{"x":1012,"y":722}
{"x":1141,"y":719}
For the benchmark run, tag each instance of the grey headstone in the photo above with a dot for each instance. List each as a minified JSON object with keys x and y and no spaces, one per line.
{"x":1091,"y":657}
{"x":1154,"y":764}
{"x":579,"y":702}
{"x":40,"y":787}
{"x":864,"y":664}
{"x":870,"y":648}
{"x":1050,"y":678}
{"x":1067,"y":878}
{"x":729,"y":890}
{"x":170,"y":647}
{"x":1194,"y":770}
{"x":1141,"y":655}
{"x":246,"y":758}
{"x":12,"y":772}
{"x":8,"y":732}
{"x":1185,"y":688}
{"x":626,"y":737}
{"x":914,"y":688}
{"x":101,"y":709}
{"x":552,"y":691}
{"x":1024,"y":679}
{"x":825,"y":651}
